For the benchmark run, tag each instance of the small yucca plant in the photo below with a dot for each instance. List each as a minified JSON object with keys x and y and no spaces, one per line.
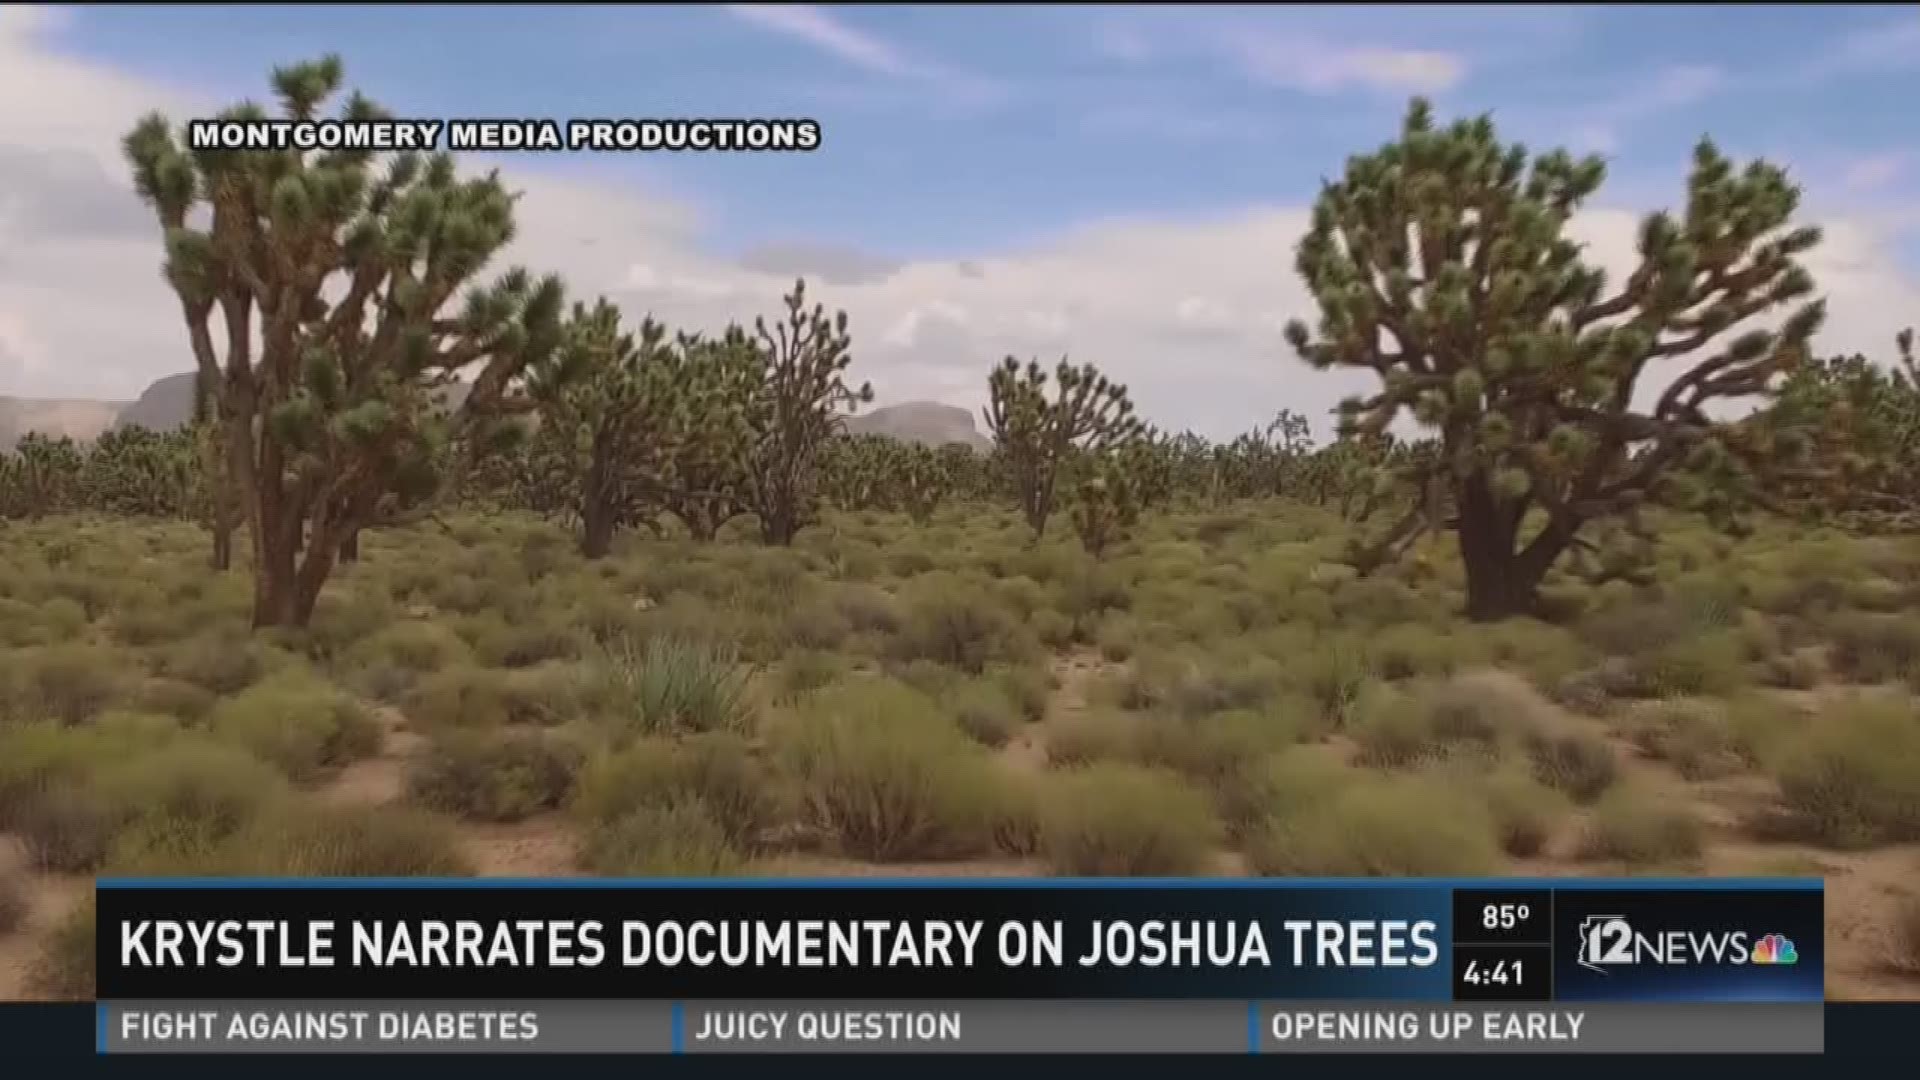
{"x":670,"y":685}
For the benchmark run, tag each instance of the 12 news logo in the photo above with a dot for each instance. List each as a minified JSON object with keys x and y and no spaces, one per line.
{"x":1610,"y":940}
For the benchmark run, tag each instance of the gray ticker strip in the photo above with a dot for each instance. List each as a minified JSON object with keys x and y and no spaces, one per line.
{"x":1127,"y":1027}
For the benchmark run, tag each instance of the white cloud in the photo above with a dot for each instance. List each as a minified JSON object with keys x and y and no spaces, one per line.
{"x":1321,"y":67}
{"x":1876,"y":171}
{"x":825,"y":31}
{"x":1187,"y":312}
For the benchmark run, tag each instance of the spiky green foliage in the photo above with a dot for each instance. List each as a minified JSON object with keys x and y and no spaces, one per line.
{"x":633,"y":425}
{"x":1440,"y":262}
{"x":134,"y":471}
{"x":1852,"y":434}
{"x":794,"y":410}
{"x":41,"y":476}
{"x":317,"y":302}
{"x":1108,"y":499}
{"x":1036,"y":434}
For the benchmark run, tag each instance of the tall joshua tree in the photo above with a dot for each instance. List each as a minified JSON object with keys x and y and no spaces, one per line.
{"x":795,"y":410}
{"x":1036,"y":435}
{"x":316,"y":290}
{"x":1440,"y":262}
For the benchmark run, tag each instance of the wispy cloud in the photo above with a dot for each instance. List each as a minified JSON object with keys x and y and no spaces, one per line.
{"x":821,"y":29}
{"x":1306,"y":63}
{"x":1672,"y":88}
{"x":1891,"y":44}
{"x":1875,"y":172}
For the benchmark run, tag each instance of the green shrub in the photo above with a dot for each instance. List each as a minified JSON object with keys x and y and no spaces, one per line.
{"x":1706,"y":665}
{"x":67,"y":682}
{"x":1014,"y":814}
{"x":1334,"y":674}
{"x":1693,"y":736}
{"x":1403,"y":826}
{"x":1412,"y":650}
{"x":880,"y":768}
{"x":1633,"y":826}
{"x":174,"y":697}
{"x":298,"y":724}
{"x":64,"y":969}
{"x":1576,"y":762}
{"x":224,"y":662}
{"x":984,"y":711}
{"x":1280,"y":786}
{"x":678,"y":840}
{"x":817,"y":624}
{"x":392,"y":659}
{"x":1091,"y":735}
{"x":807,"y":670}
{"x":477,"y":698}
{"x":1871,"y":648}
{"x":1525,"y":812}
{"x":1121,"y":820}
{"x":67,"y":829}
{"x":348,"y":841}
{"x":717,"y":770}
{"x":1853,"y":779}
{"x":494,"y":775}
{"x":668,"y":685}
{"x":1028,"y":687}
{"x":961,"y":627}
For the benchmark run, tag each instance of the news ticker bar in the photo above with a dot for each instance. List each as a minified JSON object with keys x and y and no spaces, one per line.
{"x":960,"y":1027}
{"x":1065,"y":940}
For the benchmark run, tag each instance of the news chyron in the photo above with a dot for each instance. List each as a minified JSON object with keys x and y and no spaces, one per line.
{"x":962,"y":966}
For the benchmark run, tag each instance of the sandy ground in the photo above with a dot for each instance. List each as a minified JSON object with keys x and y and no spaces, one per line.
{"x":1863,"y":889}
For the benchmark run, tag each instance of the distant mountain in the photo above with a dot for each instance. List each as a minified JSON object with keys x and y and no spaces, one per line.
{"x":168,"y":404}
{"x":926,"y":422}
{"x":165,"y":405}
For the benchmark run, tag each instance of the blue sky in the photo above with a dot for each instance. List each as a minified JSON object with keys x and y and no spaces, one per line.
{"x":951,"y":129}
{"x":1119,"y":184}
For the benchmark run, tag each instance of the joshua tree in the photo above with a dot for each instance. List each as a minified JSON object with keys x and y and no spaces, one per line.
{"x":1441,"y":263}
{"x":316,"y":301}
{"x":1035,"y":435}
{"x":795,"y":409}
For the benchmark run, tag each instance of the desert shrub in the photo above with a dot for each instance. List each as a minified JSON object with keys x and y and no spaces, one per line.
{"x":1691,"y":735}
{"x":1278,"y":786}
{"x":477,"y":698}
{"x":1579,"y":763}
{"x":224,"y":662}
{"x":1117,"y":638}
{"x":1637,"y":827}
{"x":1412,"y":650}
{"x":1026,"y":686}
{"x":961,"y":627}
{"x":193,"y":785}
{"x":1335,"y":673}
{"x":1401,"y":826}
{"x":64,"y":970}
{"x":1091,"y":735}
{"x":670,"y":684}
{"x":1872,"y":648}
{"x":348,"y":841}
{"x":1121,"y":820}
{"x":1796,"y":670}
{"x":68,"y":682}
{"x":868,"y":609}
{"x":676,"y":840}
{"x":1210,"y":750}
{"x":14,"y":905}
{"x":883,"y":770}
{"x":1481,"y":714}
{"x":718,"y":771}
{"x":174,"y":697}
{"x":816,"y":624}
{"x":1014,"y":814}
{"x":1854,"y":778}
{"x":391,"y":659}
{"x":66,"y":828}
{"x":1525,"y":811}
{"x":985,"y":712}
{"x":807,"y":670}
{"x":494,"y":775}
{"x":1706,"y":664}
{"x":297,"y":723}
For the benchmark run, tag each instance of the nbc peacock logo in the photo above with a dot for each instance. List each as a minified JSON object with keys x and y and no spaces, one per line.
{"x":1774,"y":949}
